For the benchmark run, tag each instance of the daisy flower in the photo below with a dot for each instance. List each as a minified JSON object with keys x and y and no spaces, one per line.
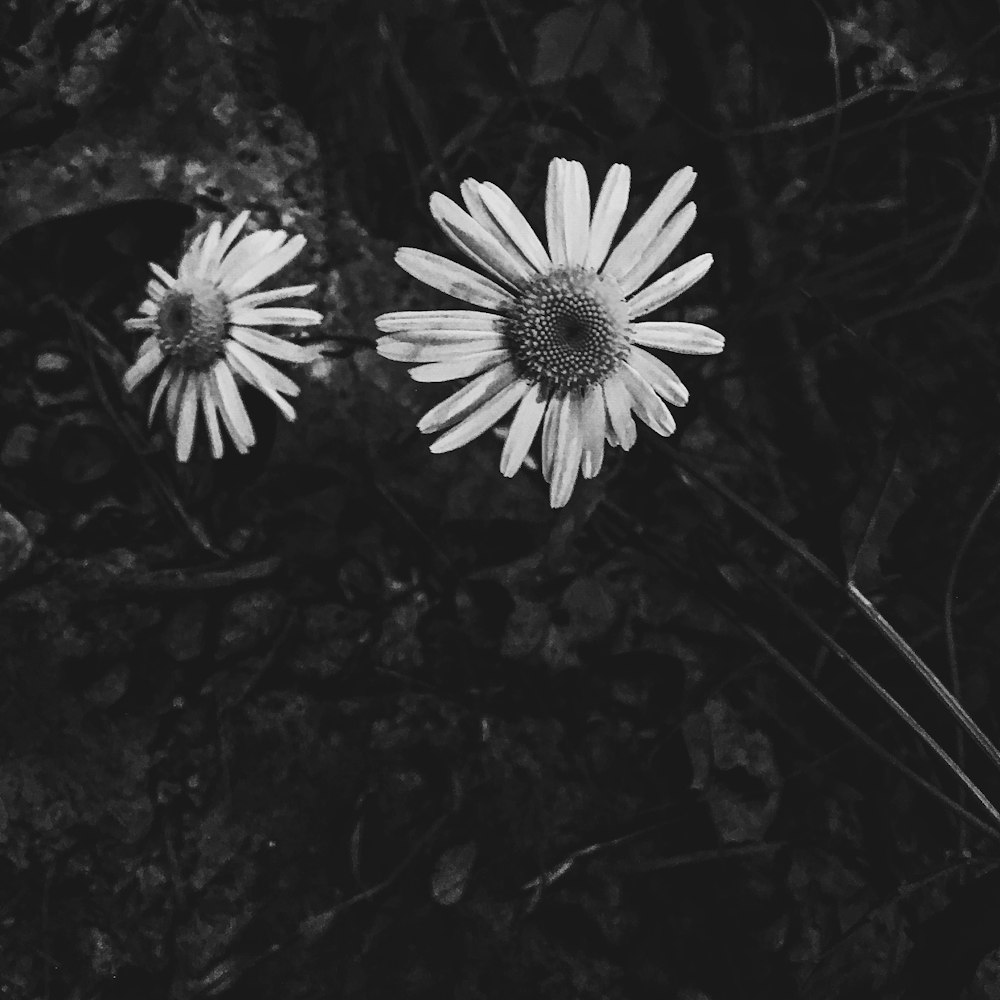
{"x":555,"y":337}
{"x":204,"y":333}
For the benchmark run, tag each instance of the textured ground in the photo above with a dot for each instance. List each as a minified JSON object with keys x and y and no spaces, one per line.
{"x":345,"y":719}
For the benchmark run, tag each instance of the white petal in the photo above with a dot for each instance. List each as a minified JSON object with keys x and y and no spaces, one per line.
{"x":165,"y":276}
{"x":523,"y":428}
{"x":265,"y":267}
{"x":144,"y":366}
{"x":618,"y":404}
{"x":608,"y":214}
{"x":508,"y":218}
{"x":463,"y":320}
{"x":445,"y":371}
{"x":481,"y":419}
{"x":206,"y":262}
{"x":147,"y":345}
{"x":148,"y":308}
{"x":189,"y":262}
{"x":249,"y":252}
{"x":187,"y":417}
{"x":576,"y":202}
{"x":155,"y":290}
{"x":477,"y":243}
{"x":275,"y":316}
{"x":468,"y":398}
{"x":213,"y":385}
{"x":646,"y":403}
{"x":261,"y":374}
{"x":634,"y":243}
{"x":681,"y":338}
{"x":207,"y":398}
{"x":662,"y":246}
{"x":169,"y":372}
{"x":452,"y":278}
{"x":143,"y":323}
{"x":270,"y":295}
{"x":469,"y":189}
{"x":568,"y":449}
{"x":660,"y":376}
{"x":438,"y":349}
{"x":549,"y":425}
{"x":593,"y":424}
{"x":171,"y":404}
{"x":228,"y":238}
{"x":472,"y":195}
{"x":229,"y":403}
{"x":667,"y":288}
{"x":274,"y":347}
{"x":555,"y":211}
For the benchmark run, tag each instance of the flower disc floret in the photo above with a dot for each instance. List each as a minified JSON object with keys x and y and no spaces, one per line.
{"x":191,"y":324}
{"x":567,"y":329}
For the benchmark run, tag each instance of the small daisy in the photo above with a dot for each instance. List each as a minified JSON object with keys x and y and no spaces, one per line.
{"x":203,"y":333}
{"x":557,"y":340}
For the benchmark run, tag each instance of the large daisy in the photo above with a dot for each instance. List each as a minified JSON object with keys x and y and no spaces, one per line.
{"x":555,"y":337}
{"x":204,"y":334}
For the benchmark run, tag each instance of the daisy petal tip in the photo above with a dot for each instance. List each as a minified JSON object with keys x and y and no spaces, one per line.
{"x":559,"y":496}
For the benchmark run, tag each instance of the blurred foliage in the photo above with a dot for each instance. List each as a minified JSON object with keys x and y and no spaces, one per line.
{"x":345,"y":719}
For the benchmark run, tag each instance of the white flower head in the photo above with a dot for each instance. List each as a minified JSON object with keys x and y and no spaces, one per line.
{"x":555,"y":338}
{"x":204,"y":333}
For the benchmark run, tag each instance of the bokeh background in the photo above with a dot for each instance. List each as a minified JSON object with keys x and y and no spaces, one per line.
{"x":345,"y":719}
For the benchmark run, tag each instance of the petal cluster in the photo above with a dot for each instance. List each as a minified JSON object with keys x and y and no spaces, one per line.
{"x":205,"y":334}
{"x":574,"y":276}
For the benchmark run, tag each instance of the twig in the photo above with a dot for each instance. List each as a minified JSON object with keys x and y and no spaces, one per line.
{"x":949,"y":600}
{"x":859,"y":734}
{"x":970,"y":213}
{"x":167,"y":581}
{"x":860,"y":601}
{"x":127,"y":429}
{"x":933,"y":681}
{"x":875,"y":686}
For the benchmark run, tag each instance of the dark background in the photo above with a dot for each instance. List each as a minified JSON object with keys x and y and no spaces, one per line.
{"x":345,"y":719}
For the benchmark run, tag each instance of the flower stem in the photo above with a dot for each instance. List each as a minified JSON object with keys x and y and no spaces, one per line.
{"x":863,"y":604}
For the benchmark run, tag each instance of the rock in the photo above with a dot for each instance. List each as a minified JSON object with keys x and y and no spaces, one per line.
{"x":249,"y":620}
{"x":333,"y":634}
{"x":52,"y":363}
{"x":184,"y":635}
{"x":18,"y":446}
{"x":10,"y":338}
{"x":15,"y":545}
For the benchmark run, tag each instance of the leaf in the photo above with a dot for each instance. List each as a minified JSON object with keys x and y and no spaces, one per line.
{"x":868,"y":522}
{"x":452,"y":873}
{"x":735,"y":769}
{"x":949,"y":945}
{"x":15,"y":544}
{"x":575,"y":41}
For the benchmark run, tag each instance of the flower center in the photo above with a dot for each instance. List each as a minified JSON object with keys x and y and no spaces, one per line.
{"x":568,"y":329}
{"x":191,"y":323}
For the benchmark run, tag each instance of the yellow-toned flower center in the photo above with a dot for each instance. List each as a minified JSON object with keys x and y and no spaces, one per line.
{"x":191,"y":323}
{"x":568,"y":329}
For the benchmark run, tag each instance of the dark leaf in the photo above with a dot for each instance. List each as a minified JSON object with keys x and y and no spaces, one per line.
{"x":867,"y":524}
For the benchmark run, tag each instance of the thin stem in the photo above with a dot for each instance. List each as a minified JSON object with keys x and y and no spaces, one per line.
{"x":949,"y":621}
{"x":795,"y":674}
{"x":859,"y":734}
{"x":858,"y":669}
{"x":856,"y":598}
{"x":949,"y":597}
{"x":933,"y":681}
